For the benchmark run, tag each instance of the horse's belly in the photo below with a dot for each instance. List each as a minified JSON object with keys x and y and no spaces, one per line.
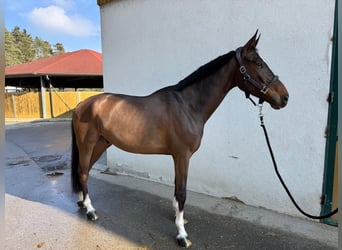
{"x":136,"y":142}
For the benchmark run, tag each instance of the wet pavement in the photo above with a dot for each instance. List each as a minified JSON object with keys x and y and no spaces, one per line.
{"x":41,"y":210}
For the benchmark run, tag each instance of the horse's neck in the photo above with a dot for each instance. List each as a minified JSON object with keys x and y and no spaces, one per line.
{"x":206,"y":95}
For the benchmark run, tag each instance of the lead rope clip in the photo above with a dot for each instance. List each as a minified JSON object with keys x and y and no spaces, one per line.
{"x":261,"y":115}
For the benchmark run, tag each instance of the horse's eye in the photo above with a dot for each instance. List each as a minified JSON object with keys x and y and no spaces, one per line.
{"x":258,"y":63}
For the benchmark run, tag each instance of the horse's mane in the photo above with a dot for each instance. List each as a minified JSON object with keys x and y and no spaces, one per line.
{"x":205,"y":70}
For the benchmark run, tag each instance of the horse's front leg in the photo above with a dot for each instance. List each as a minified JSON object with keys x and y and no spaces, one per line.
{"x":181,"y":172}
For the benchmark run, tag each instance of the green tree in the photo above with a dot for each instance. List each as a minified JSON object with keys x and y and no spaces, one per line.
{"x":24,"y":43}
{"x":13,"y":54}
{"x":20,"y":47}
{"x":43,"y":48}
{"x":58,"y":49}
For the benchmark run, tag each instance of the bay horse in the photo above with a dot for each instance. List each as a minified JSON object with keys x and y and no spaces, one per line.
{"x":169,"y":121}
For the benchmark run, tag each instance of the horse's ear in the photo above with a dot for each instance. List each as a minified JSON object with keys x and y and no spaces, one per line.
{"x":252,"y":43}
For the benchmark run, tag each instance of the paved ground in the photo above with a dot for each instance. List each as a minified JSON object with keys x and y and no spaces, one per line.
{"x":41,"y":211}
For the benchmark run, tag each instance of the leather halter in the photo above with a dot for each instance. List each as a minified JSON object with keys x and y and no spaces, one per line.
{"x":260,"y":86}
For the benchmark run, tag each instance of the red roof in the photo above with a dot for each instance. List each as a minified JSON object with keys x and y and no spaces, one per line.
{"x":81,"y":62}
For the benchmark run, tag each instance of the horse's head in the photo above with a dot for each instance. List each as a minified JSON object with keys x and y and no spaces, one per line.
{"x":256,"y":78}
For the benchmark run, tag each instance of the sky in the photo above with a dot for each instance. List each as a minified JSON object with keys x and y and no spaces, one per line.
{"x":74,"y":23}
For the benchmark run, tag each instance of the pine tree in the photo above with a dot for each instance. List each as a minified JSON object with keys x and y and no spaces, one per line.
{"x":13,"y":54}
{"x":20,"y":47}
{"x":27,"y":46}
{"x":43,"y":48}
{"x":58,"y":49}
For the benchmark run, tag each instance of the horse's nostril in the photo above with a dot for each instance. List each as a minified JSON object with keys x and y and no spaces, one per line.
{"x":285,"y":98}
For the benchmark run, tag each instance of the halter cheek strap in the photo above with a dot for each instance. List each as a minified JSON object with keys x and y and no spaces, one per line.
{"x":263,"y":88}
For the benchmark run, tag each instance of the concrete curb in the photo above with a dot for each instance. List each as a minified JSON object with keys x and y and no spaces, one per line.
{"x":9,"y":121}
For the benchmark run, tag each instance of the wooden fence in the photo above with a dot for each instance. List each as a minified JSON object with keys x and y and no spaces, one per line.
{"x":57,"y":104}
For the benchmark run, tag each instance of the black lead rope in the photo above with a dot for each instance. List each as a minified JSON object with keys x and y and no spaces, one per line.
{"x":281,"y":179}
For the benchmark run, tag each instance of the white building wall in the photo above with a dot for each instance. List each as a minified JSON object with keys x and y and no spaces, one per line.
{"x":149,"y":44}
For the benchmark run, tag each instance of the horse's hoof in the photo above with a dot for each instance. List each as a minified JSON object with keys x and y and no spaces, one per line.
{"x":81,"y":204}
{"x":184,"y":242}
{"x":92,"y":216}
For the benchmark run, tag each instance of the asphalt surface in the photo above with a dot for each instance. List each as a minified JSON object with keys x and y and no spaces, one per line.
{"x":41,"y":210}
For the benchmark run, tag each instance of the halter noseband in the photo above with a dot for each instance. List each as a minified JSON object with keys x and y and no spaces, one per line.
{"x":260,"y":86}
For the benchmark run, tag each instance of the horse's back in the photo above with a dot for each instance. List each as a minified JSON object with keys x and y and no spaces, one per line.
{"x":135,"y":124}
{"x":92,"y":106}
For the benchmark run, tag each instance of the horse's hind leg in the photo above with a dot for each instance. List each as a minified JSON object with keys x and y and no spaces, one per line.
{"x":100,"y":147}
{"x":84,"y":198}
{"x":83,"y":173}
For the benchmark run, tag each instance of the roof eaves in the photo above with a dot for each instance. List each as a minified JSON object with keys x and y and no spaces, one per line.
{"x":103,"y":2}
{"x":24,"y":75}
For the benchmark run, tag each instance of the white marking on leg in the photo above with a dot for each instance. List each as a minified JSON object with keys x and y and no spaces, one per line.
{"x":87,"y":204}
{"x":179,"y":221}
{"x":175,"y":205}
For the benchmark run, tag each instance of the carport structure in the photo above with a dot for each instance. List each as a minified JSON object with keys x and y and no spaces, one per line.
{"x":78,"y":69}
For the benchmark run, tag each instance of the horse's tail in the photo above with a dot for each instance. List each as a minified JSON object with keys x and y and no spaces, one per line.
{"x":76,"y":184}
